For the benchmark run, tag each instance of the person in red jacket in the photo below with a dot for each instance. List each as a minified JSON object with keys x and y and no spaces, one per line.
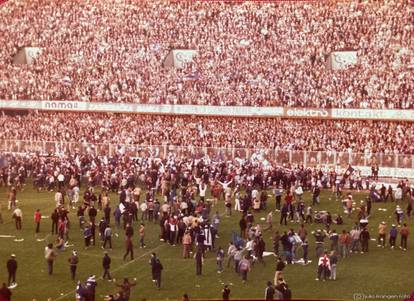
{"x":37,"y":217}
{"x":5,"y":293}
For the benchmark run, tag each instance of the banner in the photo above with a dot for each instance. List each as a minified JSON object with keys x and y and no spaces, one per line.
{"x":237,"y":111}
{"x":307,"y":112}
{"x":178,"y":57}
{"x":79,"y":106}
{"x":339,"y":60}
{"x":371,"y":114}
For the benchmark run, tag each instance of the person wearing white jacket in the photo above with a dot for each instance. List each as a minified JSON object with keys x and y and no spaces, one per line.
{"x":202,"y":187}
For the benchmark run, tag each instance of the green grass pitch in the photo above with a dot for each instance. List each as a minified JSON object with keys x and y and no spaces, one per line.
{"x":379,"y":272}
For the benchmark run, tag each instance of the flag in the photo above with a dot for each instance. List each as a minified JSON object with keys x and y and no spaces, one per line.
{"x":349,"y":171}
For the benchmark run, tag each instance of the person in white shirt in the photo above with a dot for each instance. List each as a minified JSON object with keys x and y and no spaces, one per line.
{"x":202,"y":188}
{"x":76,"y":194}
{"x":58,"y":198}
{"x":143,"y":208}
{"x":61,"y":180}
{"x":237,"y":206}
{"x":18,"y":217}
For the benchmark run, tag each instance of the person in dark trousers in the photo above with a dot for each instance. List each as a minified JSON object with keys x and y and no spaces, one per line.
{"x":269,"y":291}
{"x":280,"y":265}
{"x":37,"y":217}
{"x":107,"y":214}
{"x":126,"y":288}
{"x":316,"y":191}
{"x":55,"y":219}
{"x":243,"y":227}
{"x":5,"y":293}
{"x":305,"y":247}
{"x":81,"y":216}
{"x":152,"y":263}
{"x":244,"y":268}
{"x":11,"y":269}
{"x":157,"y":272}
{"x":106,"y":264}
{"x":199,"y":261}
{"x":107,"y":237}
{"x":129,"y":231}
{"x":73,"y":264}
{"x":404,"y":236}
{"x":284,"y":214}
{"x":225,"y":293}
{"x":87,"y":235}
{"x":92,"y":214}
{"x":393,"y":236}
{"x":369,"y":205}
{"x":93,"y":233}
{"x":129,"y":248}
{"x":90,"y":286}
{"x":102,"y":226}
{"x":50,"y":255}
{"x":364,"y":237}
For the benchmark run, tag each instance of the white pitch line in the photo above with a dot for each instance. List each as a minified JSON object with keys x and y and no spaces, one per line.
{"x":115,"y":270}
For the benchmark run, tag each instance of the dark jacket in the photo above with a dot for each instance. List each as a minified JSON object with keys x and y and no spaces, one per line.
{"x":106,"y":262}
{"x":158,"y":267}
{"x":11,"y":265}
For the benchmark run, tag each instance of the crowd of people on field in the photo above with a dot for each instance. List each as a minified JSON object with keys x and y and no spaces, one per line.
{"x":249,"y":53}
{"x":171,"y":193}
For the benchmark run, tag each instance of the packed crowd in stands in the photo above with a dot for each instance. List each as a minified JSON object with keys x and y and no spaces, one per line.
{"x":275,"y":134}
{"x":249,"y":53}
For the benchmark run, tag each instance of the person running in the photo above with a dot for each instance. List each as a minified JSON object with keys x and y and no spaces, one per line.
{"x":106,"y":264}
{"x":12,"y":269}
{"x":129,"y":248}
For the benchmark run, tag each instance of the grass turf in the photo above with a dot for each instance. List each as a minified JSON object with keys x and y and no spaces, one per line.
{"x":379,"y":272}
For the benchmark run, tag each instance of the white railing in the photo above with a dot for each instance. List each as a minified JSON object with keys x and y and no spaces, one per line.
{"x":307,"y":158}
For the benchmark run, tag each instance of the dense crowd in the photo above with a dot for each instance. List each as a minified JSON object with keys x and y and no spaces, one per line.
{"x":249,"y":53}
{"x":172,"y":193}
{"x":252,"y":133}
